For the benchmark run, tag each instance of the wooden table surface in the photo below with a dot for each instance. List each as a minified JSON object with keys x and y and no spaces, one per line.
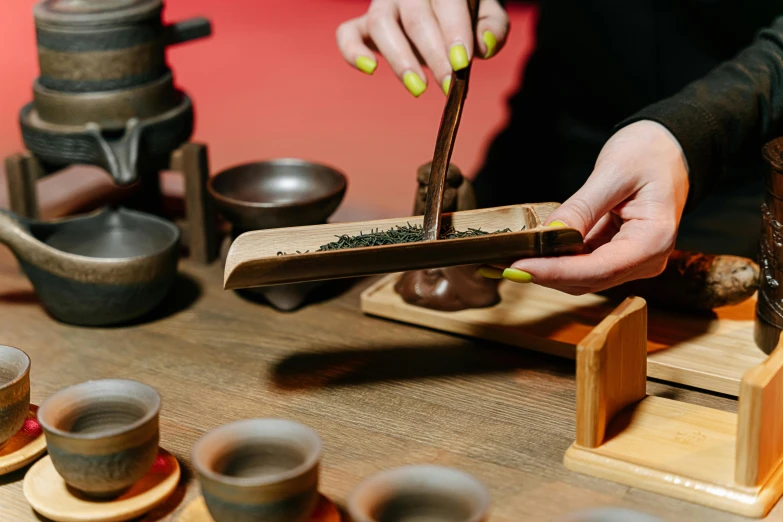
{"x":380,"y":394}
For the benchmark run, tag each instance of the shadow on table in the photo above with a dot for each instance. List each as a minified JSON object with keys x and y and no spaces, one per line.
{"x":456,"y":356}
{"x":398,"y":363}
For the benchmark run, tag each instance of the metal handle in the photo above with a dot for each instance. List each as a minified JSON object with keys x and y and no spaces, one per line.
{"x":187,"y":30}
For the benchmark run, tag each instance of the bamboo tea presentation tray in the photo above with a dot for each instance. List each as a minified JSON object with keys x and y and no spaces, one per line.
{"x":711,"y":352}
{"x":255,"y":258}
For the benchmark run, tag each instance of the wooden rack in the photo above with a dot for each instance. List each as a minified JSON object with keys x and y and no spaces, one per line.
{"x":722,"y":460}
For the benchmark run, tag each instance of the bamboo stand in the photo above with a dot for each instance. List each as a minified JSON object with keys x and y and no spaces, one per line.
{"x":23,"y":171}
{"x":722,"y":460}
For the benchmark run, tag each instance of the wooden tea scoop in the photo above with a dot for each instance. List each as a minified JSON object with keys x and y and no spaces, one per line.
{"x":444,"y":145}
{"x":293,"y":255}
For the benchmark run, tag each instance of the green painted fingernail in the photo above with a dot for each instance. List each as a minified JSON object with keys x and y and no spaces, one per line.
{"x":446,"y":85}
{"x":491,"y":42}
{"x":490,"y":272}
{"x":414,"y":83}
{"x":458,"y":56}
{"x":366,"y":65}
{"x":517,"y":276}
{"x":557,"y":224}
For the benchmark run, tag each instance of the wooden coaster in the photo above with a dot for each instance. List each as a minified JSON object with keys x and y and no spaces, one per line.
{"x":46,"y":492}
{"x":197,"y":511}
{"x":27,"y":445}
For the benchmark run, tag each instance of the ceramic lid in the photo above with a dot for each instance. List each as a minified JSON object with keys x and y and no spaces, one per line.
{"x":95,"y":12}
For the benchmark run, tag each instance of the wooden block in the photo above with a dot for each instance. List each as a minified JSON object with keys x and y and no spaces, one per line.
{"x":711,"y":352}
{"x":718,"y":459}
{"x":611,"y":370}
{"x":22,"y":172}
{"x":192,"y":161}
{"x":760,"y":435}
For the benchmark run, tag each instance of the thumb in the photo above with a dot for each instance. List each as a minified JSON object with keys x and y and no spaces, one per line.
{"x":598,"y":196}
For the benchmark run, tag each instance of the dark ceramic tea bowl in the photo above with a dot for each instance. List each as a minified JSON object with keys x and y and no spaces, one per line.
{"x":277,"y":193}
{"x":14,"y":391}
{"x":423,"y":492}
{"x":259,"y":469}
{"x":102,"y":435}
{"x":100,"y":269}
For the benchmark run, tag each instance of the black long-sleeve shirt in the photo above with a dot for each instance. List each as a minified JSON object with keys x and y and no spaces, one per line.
{"x":702,"y":68}
{"x":723,"y":119}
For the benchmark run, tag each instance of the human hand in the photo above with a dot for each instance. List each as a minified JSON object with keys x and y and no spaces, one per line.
{"x":628,"y":212}
{"x":412,"y":33}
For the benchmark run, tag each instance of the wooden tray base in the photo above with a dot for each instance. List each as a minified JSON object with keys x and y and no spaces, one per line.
{"x":711,"y":352}
{"x":688,"y":453}
{"x":28,"y":444}
{"x":727,"y":461}
{"x":197,"y":511}
{"x":47,"y":493}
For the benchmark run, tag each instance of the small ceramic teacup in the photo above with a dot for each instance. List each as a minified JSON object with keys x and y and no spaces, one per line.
{"x":418,"y":493}
{"x":102,"y":435}
{"x":14,"y":391}
{"x":259,"y":470}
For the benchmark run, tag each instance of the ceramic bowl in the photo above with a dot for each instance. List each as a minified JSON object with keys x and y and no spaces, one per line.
{"x":102,"y":435}
{"x":277,"y":193}
{"x":421,"y":492}
{"x":259,"y":469}
{"x":14,"y":391}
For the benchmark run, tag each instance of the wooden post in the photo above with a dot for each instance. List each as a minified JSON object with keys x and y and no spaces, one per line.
{"x":22,"y":172}
{"x":611,"y":370}
{"x":760,"y":422}
{"x":192,"y":161}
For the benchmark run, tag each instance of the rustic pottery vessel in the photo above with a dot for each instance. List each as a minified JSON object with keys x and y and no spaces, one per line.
{"x":420,"y":492}
{"x":14,"y":391}
{"x":275,"y":194}
{"x":105,"y":95}
{"x":259,"y":470}
{"x":105,"y":268}
{"x":102,"y":435}
{"x":769,"y":307}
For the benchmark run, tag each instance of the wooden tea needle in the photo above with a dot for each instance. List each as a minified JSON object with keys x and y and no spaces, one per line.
{"x":444,"y":145}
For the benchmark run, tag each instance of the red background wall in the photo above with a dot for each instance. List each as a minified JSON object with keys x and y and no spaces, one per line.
{"x":270,"y":83}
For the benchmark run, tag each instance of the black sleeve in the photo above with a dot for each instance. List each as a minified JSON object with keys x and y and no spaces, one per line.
{"x":738,"y":103}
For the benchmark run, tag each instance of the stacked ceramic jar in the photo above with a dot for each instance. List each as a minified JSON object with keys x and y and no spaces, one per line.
{"x":769,"y":308}
{"x":105,"y":95}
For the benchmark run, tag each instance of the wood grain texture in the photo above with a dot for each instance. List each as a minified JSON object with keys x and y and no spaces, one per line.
{"x":253,"y":259}
{"x":380,"y":394}
{"x":683,"y":450}
{"x":760,"y":433}
{"x":22,"y":172}
{"x":680,"y":450}
{"x":611,"y":370}
{"x":709,"y":351}
{"x":193,"y":162}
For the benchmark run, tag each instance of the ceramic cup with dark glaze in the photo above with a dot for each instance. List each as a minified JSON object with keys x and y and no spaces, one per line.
{"x":278,"y":193}
{"x":14,"y":391}
{"x":259,"y":470}
{"x":102,"y":435}
{"x":417,"y":493}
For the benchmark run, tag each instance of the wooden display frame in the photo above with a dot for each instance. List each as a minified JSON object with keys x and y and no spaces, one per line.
{"x":191,"y":160}
{"x":722,"y":460}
